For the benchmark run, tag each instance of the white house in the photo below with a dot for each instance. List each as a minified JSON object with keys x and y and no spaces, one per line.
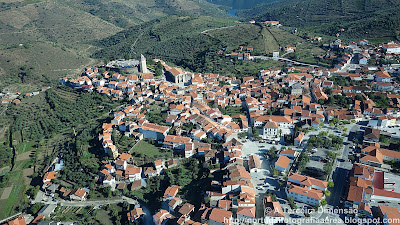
{"x":392,"y":48}
{"x":154,"y":131}
{"x":282,"y":164}
{"x":270,"y":130}
{"x":382,"y":76}
{"x":306,"y":189}
{"x":133,"y":173}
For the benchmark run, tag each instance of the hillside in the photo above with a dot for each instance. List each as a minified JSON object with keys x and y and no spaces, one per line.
{"x":177,"y":38}
{"x":193,"y":42}
{"x":54,"y":38}
{"x":240,"y":4}
{"x":370,"y":18}
{"x":41,"y":126}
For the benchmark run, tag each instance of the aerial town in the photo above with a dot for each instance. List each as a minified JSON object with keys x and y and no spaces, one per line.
{"x":292,"y":145}
{"x":199,"y":112}
{"x":304,"y":144}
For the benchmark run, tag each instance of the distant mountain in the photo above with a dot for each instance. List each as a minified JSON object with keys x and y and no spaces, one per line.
{"x":66,"y":29}
{"x":359,"y":18}
{"x":240,"y":4}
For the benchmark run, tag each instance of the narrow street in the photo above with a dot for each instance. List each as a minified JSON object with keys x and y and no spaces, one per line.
{"x":42,"y":198}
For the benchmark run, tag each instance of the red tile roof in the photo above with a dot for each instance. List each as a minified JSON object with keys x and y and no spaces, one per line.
{"x":220,"y":215}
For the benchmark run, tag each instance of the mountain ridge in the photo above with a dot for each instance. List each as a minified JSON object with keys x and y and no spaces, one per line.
{"x":328,"y":16}
{"x":68,"y":28}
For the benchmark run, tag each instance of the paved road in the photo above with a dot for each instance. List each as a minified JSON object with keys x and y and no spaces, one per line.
{"x":98,"y":202}
{"x":285,"y":59}
{"x":219,"y":28}
{"x":91,"y":202}
{"x":342,"y":168}
{"x":258,"y":149}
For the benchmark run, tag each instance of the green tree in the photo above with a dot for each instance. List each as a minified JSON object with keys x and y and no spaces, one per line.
{"x":291,"y":202}
{"x":126,"y":205}
{"x":302,"y":161}
{"x":32,"y":191}
{"x":106,"y":60}
{"x":242,"y":134}
{"x":36,"y":207}
{"x":275,"y":173}
{"x":256,"y":133}
{"x":272,"y":153}
{"x":323,"y":202}
{"x":327,"y":193}
{"x":335,"y":121}
{"x":272,"y":195}
{"x":158,"y":73}
{"x":109,"y":192}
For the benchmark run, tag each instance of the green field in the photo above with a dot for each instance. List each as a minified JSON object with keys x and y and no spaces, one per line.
{"x":262,"y":38}
{"x":306,"y":53}
{"x":17,"y":196}
{"x":25,"y":147}
{"x":144,"y":152}
{"x":102,"y":216}
{"x":85,"y":215}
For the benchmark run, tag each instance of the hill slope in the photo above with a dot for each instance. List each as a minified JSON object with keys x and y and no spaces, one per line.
{"x":176,"y":37}
{"x":54,"y":38}
{"x":370,"y":18}
{"x":193,"y":42}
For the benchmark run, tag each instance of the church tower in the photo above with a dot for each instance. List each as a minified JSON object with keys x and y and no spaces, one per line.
{"x":142,"y":65}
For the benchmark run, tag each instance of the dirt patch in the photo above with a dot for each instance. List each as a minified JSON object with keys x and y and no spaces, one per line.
{"x":24,"y":156}
{"x":6,"y":193}
{"x":27,"y":173}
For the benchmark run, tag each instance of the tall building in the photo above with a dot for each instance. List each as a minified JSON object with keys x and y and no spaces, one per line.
{"x":142,"y":65}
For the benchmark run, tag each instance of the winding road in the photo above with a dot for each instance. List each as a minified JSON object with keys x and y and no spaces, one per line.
{"x":285,"y":59}
{"x":219,"y":28}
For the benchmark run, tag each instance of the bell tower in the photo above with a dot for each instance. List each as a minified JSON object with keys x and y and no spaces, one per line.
{"x":142,"y":65}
